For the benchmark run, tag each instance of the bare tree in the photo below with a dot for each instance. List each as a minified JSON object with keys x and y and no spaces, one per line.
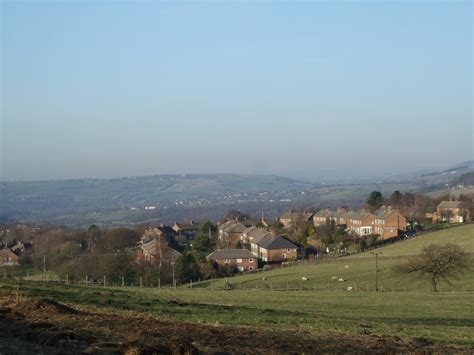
{"x":439,"y":263}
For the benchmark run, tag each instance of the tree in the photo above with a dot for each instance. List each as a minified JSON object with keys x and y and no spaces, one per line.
{"x":203,"y":243}
{"x":439,"y":263}
{"x":208,"y":228}
{"x":375,"y":200}
{"x":117,"y":239}
{"x":187,"y":268}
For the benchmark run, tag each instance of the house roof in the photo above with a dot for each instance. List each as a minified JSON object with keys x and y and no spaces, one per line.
{"x":450,"y":204}
{"x":249,"y":222}
{"x":230,"y":254}
{"x":324,"y":213}
{"x":250,"y":230}
{"x":297,"y":215}
{"x":237,"y":227}
{"x":258,"y":237}
{"x":278,"y":242}
{"x":152,"y":246}
{"x":357,"y":215}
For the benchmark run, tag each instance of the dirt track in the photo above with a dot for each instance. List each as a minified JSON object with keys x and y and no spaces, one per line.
{"x":45,"y":326}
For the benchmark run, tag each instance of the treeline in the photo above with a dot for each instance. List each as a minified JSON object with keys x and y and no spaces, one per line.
{"x":113,"y":253}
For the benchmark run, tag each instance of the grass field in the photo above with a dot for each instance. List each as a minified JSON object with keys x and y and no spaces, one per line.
{"x":283,"y":302}
{"x":444,"y":317}
{"x":358,"y":270}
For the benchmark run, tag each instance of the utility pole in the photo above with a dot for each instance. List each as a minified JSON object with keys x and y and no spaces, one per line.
{"x":174,"y":281}
{"x":44,"y":267}
{"x":376,"y":272}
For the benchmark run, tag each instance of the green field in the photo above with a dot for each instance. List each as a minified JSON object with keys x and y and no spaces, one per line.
{"x":318,"y":306}
{"x":358,"y":271}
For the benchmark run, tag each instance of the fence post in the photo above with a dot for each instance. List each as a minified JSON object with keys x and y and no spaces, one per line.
{"x":67,"y":279}
{"x":87,"y":280}
{"x":159,"y":282}
{"x":123,"y":281}
{"x":104,"y":281}
{"x":141,"y":282}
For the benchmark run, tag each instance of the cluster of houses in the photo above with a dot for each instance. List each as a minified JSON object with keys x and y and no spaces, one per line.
{"x":245,"y":243}
{"x":386,"y":222}
{"x":248,"y":242}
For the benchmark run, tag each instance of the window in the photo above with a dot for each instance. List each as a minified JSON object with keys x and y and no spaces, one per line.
{"x":283,"y":255}
{"x":239,"y":260}
{"x":250,"y":259}
{"x":226,"y":261}
{"x":240,"y":268}
{"x":288,"y":250}
{"x":251,"y":268}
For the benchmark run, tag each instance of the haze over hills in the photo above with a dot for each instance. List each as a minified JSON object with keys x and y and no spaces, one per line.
{"x":169,"y":198}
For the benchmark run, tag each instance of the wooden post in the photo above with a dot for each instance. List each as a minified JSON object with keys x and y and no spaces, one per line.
{"x":123,"y":281}
{"x":141,"y":282}
{"x":18,"y":291}
{"x":87,"y":280}
{"x":191,"y":284}
{"x":67,"y":279}
{"x":287,"y":286}
{"x":159,"y":282}
{"x":104,"y":281}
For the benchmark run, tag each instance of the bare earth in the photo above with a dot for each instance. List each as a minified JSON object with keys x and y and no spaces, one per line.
{"x":46,"y":326}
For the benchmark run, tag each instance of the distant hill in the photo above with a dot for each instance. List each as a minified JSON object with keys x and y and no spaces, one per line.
{"x":169,"y":198}
{"x":466,"y":179}
{"x":141,"y":199}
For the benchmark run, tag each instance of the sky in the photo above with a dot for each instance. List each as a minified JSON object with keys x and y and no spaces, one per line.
{"x":108,"y":89}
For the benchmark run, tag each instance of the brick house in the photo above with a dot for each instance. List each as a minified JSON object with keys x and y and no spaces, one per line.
{"x":241,"y":259}
{"x":321,"y":217}
{"x":273,"y":249}
{"x":231,"y":232}
{"x":360,"y":223}
{"x":289,"y":218}
{"x":389,"y":223}
{"x":155,"y":248}
{"x":8,"y":258}
{"x":450,"y":211}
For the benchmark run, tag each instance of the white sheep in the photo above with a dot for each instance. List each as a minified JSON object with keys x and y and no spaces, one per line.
{"x":341,"y":280}
{"x":304,"y":278}
{"x":349,"y":288}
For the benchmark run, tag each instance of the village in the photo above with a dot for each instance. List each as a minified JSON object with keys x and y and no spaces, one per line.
{"x":181,"y":252}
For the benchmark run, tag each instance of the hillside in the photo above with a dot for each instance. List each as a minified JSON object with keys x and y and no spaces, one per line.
{"x":169,"y":198}
{"x":358,"y":270}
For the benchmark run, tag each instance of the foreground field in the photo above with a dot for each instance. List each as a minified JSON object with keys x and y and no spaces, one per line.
{"x":359,"y":319}
{"x":46,"y":326}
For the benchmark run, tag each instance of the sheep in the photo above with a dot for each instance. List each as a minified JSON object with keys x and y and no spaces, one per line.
{"x":347,"y":266}
{"x":349,"y":288}
{"x":304,"y":278}
{"x":341,"y":280}
{"x":334,"y":278}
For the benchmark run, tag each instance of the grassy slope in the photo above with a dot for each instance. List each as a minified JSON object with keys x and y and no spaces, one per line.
{"x":358,"y":270}
{"x":445,"y":317}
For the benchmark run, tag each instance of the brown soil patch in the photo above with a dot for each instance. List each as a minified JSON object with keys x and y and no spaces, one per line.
{"x":46,"y":326}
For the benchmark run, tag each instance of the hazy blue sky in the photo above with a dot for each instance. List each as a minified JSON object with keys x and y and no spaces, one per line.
{"x":99,"y":88}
